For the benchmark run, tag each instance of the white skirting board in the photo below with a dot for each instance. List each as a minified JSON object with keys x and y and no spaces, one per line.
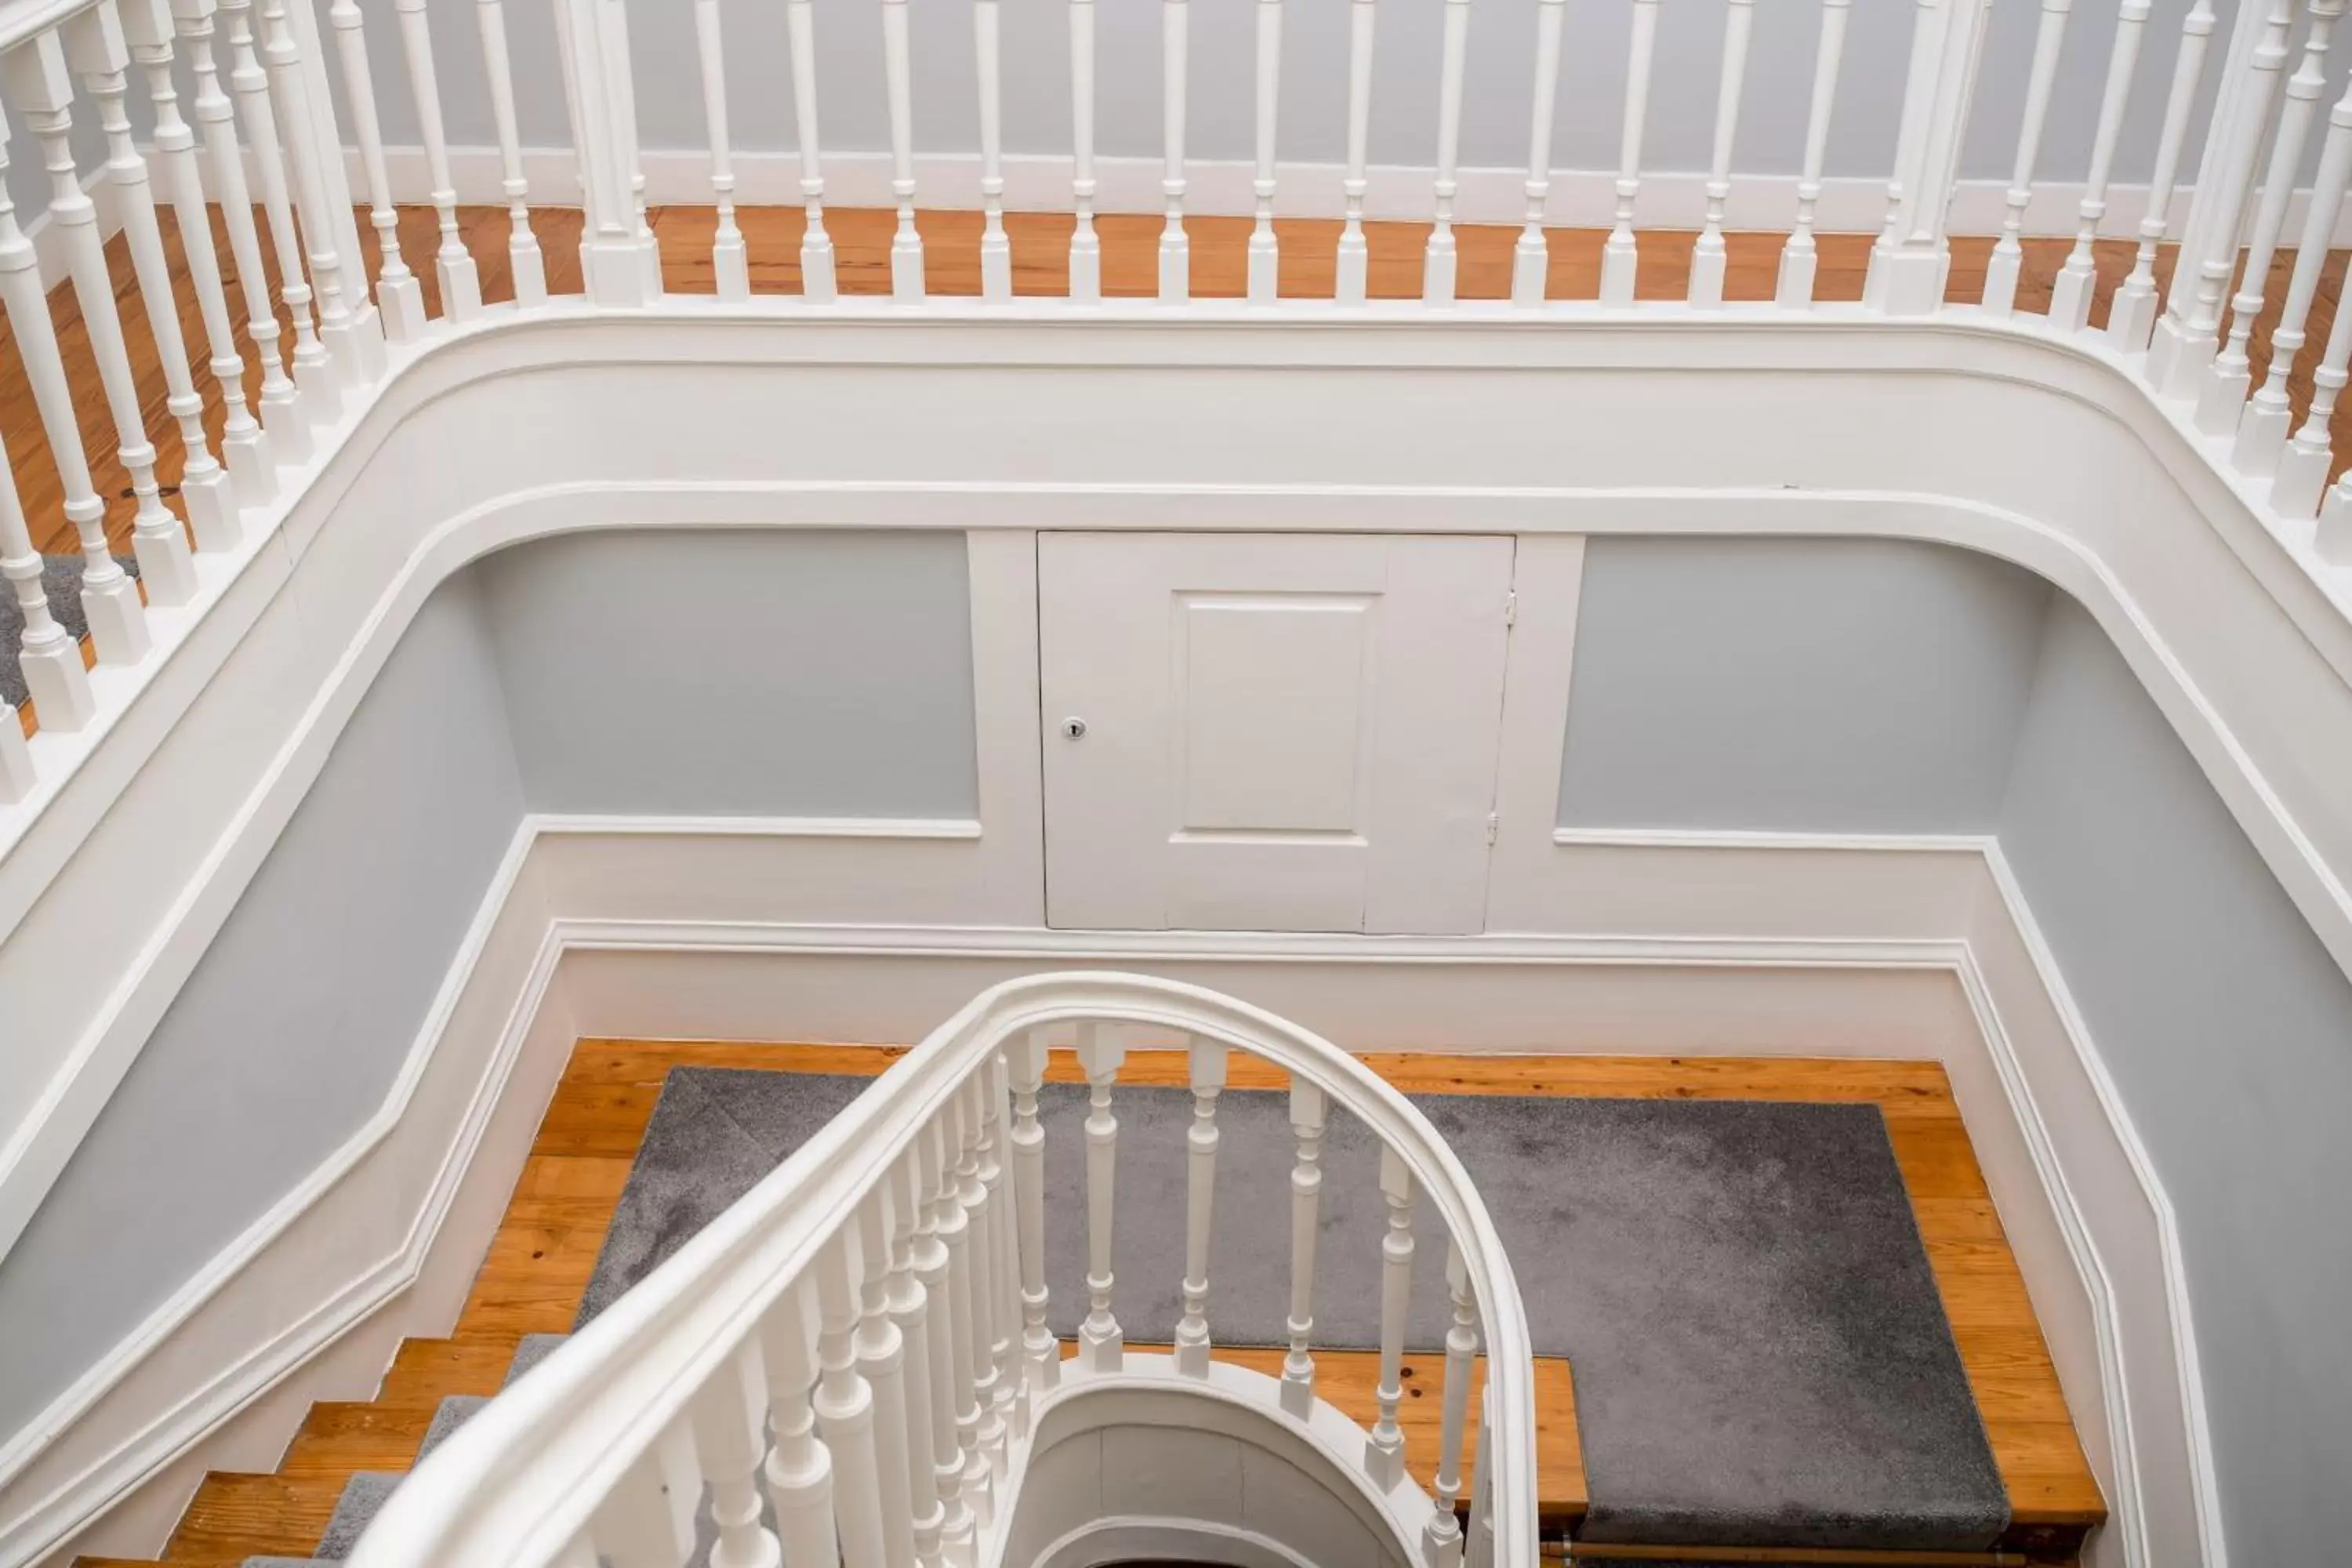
{"x":573,"y":940}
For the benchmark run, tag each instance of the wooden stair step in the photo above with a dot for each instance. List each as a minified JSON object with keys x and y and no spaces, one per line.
{"x":425,"y":1372}
{"x":338,"y":1438}
{"x":235,"y":1515}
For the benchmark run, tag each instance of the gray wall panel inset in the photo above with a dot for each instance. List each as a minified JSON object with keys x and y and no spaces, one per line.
{"x":768,"y":672}
{"x":2228,"y":1030}
{"x":1826,"y":685}
{"x":292,"y":1028}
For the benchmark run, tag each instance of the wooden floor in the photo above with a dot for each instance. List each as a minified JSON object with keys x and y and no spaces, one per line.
{"x":539,"y":1262}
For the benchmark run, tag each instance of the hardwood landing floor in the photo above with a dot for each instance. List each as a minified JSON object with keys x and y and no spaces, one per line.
{"x":539,"y":1263}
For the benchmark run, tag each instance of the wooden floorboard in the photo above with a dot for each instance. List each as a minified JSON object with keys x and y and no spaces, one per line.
{"x":539,"y":1263}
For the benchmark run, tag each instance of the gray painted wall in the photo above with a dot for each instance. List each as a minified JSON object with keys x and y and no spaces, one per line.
{"x":822,"y":673}
{"x":530,"y":680}
{"x":290,"y":1030}
{"x":1829,"y":684}
{"x":2227,"y":1029}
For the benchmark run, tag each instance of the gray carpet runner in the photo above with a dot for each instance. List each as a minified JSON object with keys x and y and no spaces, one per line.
{"x":1760,"y":1354}
{"x":61,"y":583}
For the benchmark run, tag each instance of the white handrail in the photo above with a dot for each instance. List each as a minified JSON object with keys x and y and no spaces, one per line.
{"x":521,"y":1484}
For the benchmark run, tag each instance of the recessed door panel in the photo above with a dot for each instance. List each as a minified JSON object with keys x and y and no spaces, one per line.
{"x":1270,"y":732}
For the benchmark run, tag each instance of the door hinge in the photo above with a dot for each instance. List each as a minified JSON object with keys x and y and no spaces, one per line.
{"x":1494,"y":826}
{"x":1511,"y":608}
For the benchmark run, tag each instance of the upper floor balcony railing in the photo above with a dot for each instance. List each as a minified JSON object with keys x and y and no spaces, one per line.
{"x":263,"y":312}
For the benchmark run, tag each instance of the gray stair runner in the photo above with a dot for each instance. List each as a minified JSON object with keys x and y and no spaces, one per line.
{"x":364,"y":1493}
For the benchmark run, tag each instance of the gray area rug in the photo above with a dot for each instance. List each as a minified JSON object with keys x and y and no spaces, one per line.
{"x":61,"y":581}
{"x":1762,"y":1358}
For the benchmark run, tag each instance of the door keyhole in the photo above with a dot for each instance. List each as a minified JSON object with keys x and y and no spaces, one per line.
{"x":1074,"y":728}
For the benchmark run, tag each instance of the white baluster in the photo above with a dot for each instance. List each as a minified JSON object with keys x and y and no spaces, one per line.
{"x":2008,"y":251}
{"x":523,"y":258}
{"x":284,"y":436}
{"x":993,"y":1328}
{"x":975,"y":1394}
{"x":1439,"y":263}
{"x":1208,"y":1062}
{"x":845,"y":1407}
{"x":1384,"y":1445}
{"x":906,"y":245}
{"x":882,"y":1362}
{"x":1801,"y":257}
{"x":398,"y":295}
{"x":995,"y":246}
{"x":1478,"y":1544}
{"x":322,"y":397}
{"x":2185,"y":339}
{"x":910,"y":1301}
{"x":729,"y":264}
{"x":1620,"y":254}
{"x":1175,"y":254}
{"x":2221,"y":398}
{"x":50,"y":659}
{"x":1441,"y":1545}
{"x":816,"y":246}
{"x":1100,"y":1052}
{"x":1305,"y":1200}
{"x":1264,"y":250}
{"x":1011,"y":1381}
{"x":2303,"y":466}
{"x":95,"y":48}
{"x":1710,"y":259}
{"x":453,"y":265}
{"x":1085,"y":246}
{"x":2131,"y":318}
{"x":204,"y":483}
{"x":2070,"y":295}
{"x":950,"y":1347}
{"x":799,"y":1471}
{"x":1530,"y":259}
{"x":338,"y":323}
{"x":43,"y":95}
{"x":1909,"y":263}
{"x":1026,"y":1058}
{"x":16,"y":778}
{"x":1355,"y":260}
{"x":731,"y":1430}
{"x":2262,"y":428}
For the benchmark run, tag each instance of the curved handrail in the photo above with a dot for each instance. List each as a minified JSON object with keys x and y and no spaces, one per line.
{"x":520,"y":1482}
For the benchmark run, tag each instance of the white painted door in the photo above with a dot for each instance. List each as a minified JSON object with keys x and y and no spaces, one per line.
{"x":1270,"y":732}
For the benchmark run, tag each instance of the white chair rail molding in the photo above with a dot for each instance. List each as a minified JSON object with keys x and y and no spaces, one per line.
{"x":858,"y":1352}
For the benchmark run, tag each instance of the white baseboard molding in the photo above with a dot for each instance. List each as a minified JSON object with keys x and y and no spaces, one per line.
{"x":574,"y":939}
{"x":1581,"y":198}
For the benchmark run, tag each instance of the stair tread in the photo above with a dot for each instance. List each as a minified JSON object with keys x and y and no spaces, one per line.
{"x":237,"y":1514}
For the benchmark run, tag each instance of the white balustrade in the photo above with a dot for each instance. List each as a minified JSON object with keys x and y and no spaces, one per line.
{"x":2221,"y":396}
{"x":1439,"y":265}
{"x":49,"y":659}
{"x":1306,"y":1203}
{"x":1801,"y":257}
{"x":1100,"y":1052}
{"x":782,"y":1381}
{"x":2262,"y":426}
{"x":1353,"y":266}
{"x":2303,"y":465}
{"x":314,"y":377}
{"x":1085,"y":246}
{"x":1620,"y":253}
{"x":995,"y":245}
{"x":1041,"y":1356}
{"x":1710,"y":258}
{"x":321,"y":224}
{"x":453,"y":264}
{"x":399,"y":296}
{"x":1531,"y":257}
{"x":2008,"y":251}
{"x":1264,"y":263}
{"x":2131,"y":318}
{"x":2070,"y":293}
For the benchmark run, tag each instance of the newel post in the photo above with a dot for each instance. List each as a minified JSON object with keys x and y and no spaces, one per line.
{"x":618,"y":260}
{"x":1912,"y":257}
